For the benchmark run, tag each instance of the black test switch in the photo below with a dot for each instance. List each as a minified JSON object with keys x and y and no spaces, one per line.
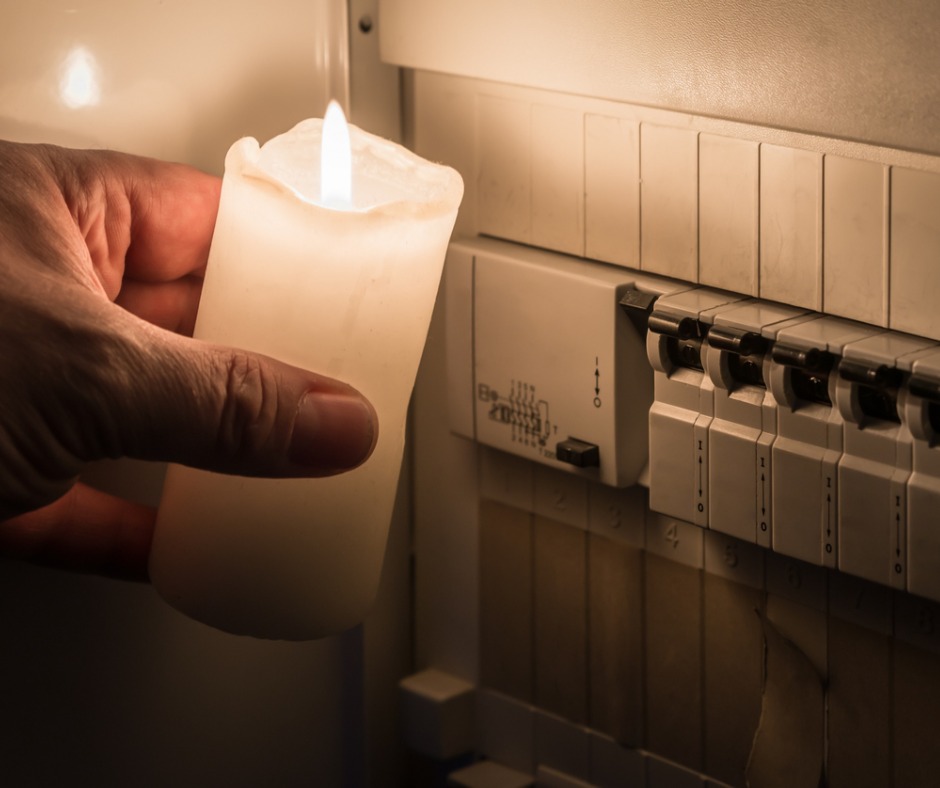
{"x":580,"y":454}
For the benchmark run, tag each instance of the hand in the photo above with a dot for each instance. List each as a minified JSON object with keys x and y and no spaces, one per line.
{"x":101,"y":262}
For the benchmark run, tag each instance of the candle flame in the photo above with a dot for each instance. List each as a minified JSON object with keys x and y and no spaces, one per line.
{"x":335,"y":159}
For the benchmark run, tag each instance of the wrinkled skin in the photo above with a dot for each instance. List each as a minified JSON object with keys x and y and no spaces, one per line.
{"x":101,"y":263}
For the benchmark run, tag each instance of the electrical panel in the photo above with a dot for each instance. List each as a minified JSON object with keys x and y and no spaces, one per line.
{"x":811,"y":435}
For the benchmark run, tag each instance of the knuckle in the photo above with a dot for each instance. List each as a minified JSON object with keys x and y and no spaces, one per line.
{"x":250,"y":409}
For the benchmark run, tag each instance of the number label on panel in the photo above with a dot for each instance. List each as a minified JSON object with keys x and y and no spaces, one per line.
{"x":671,"y":535}
{"x":860,"y":601}
{"x":794,"y":573}
{"x":917,"y":621}
{"x":734,"y":559}
{"x":731,"y":555}
{"x":614,"y":516}
{"x":926,"y":621}
{"x":676,"y":540}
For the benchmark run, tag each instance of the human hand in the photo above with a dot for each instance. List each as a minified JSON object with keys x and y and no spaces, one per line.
{"x":101,"y":261}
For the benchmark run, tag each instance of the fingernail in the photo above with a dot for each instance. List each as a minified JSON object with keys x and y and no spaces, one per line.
{"x":332,"y":432}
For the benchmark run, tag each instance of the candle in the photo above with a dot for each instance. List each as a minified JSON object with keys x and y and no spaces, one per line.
{"x":342,"y":283}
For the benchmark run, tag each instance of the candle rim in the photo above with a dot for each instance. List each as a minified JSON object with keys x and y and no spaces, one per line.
{"x":444,"y":183}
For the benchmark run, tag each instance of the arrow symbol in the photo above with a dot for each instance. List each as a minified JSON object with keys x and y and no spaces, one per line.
{"x":898,"y":523}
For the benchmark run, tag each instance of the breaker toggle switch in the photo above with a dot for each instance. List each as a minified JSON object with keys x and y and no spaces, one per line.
{"x":580,"y":454}
{"x":682,"y":337}
{"x":683,"y":328}
{"x":737,"y":341}
{"x":812,"y":360}
{"x":807,"y":372}
{"x":926,"y":389}
{"x":881,"y":376}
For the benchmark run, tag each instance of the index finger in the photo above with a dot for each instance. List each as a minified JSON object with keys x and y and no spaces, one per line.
{"x":173,"y":210}
{"x":86,"y":531}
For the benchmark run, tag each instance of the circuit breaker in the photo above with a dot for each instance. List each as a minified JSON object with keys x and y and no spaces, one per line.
{"x":742,"y":431}
{"x":544,"y":363}
{"x":683,"y":407}
{"x":808,"y":447}
{"x":920,"y":405}
{"x":876,"y":456}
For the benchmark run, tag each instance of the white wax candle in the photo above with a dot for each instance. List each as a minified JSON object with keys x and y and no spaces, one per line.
{"x":343,"y":291}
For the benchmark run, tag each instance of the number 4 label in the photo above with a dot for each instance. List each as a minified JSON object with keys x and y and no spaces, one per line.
{"x":672,"y":535}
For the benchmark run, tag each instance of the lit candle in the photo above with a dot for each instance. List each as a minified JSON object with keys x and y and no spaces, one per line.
{"x":341,"y":282}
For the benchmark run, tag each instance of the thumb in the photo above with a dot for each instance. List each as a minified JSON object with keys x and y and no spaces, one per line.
{"x":233,"y":411}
